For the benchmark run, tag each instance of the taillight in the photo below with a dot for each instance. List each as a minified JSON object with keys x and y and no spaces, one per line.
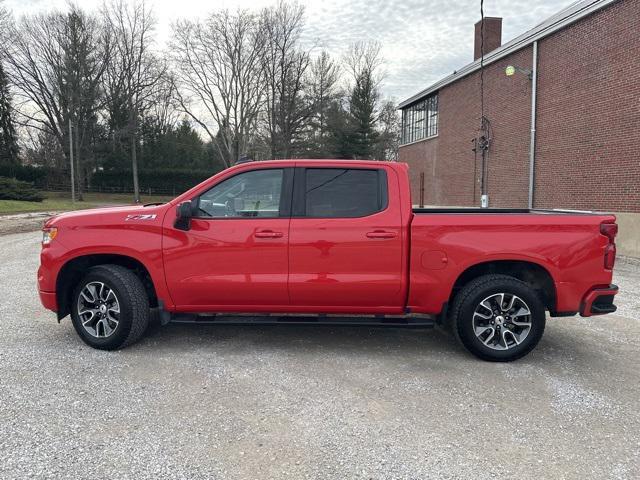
{"x":610,"y":256}
{"x":609,"y":230}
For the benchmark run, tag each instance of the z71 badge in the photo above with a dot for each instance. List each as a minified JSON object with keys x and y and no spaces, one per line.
{"x":141,"y":217}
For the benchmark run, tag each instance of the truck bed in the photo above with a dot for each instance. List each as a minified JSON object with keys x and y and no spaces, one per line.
{"x":447,"y":241}
{"x":520,"y":211}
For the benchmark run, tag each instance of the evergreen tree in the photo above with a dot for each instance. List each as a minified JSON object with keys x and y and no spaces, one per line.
{"x":363,"y":116}
{"x":340,"y":133}
{"x":323,"y":95}
{"x":8,"y":142}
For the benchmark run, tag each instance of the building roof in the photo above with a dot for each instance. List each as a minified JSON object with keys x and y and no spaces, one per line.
{"x":565,"y":17}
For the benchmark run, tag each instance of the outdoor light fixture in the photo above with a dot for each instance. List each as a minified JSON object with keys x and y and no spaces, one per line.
{"x":511,"y":70}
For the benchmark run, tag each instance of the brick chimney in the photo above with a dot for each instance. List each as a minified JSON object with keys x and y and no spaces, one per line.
{"x":492,"y":35}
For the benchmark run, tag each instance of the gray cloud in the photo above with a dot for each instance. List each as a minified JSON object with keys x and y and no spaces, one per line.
{"x":422,"y":40}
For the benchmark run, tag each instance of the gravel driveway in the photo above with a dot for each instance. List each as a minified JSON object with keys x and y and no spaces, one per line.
{"x":309,"y":402}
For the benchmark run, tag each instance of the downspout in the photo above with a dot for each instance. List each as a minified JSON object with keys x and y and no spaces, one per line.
{"x":532,"y":138}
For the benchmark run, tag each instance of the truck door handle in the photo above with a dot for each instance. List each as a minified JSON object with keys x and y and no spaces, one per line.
{"x":381,"y":234}
{"x":268,"y":234}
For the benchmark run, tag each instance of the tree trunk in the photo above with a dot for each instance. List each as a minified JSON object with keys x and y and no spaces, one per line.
{"x":236,"y":152}
{"x":71,"y":162}
{"x":134,"y":168}
{"x":134,"y":157}
{"x":78,"y":162}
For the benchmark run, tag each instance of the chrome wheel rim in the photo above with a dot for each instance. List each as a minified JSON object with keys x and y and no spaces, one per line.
{"x":98,"y":310}
{"x":502,"y":321}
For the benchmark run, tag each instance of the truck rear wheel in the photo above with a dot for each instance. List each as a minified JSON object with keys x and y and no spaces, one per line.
{"x":498,"y":318}
{"x":110,"y":307}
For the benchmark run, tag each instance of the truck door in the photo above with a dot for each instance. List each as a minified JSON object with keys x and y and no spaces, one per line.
{"x":235,"y":253}
{"x":345,"y":240}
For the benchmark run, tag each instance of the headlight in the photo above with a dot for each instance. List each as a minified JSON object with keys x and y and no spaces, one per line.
{"x":48,"y":234}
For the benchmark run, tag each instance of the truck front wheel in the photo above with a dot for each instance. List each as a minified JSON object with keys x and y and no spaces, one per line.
{"x":110,"y":307}
{"x":498,"y":318}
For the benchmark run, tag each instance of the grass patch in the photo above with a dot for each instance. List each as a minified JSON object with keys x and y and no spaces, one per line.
{"x":60,"y":202}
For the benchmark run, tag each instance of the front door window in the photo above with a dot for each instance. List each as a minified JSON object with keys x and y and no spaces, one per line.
{"x":247,"y":195}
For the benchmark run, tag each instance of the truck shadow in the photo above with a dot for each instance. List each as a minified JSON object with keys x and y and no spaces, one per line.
{"x":303,"y":338}
{"x":558,"y":345}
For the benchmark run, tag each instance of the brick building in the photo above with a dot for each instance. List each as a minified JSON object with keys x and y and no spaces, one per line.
{"x":584,"y":87}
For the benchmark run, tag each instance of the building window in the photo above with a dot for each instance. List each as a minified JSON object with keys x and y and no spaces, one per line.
{"x":420,"y":120}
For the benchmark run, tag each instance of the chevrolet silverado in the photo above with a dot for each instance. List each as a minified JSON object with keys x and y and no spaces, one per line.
{"x":326,"y":242}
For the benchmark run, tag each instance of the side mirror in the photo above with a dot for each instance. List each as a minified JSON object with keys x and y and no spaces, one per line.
{"x":184,"y":212}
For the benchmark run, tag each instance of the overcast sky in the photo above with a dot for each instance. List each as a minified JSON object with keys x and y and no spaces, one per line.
{"x":422,"y":40}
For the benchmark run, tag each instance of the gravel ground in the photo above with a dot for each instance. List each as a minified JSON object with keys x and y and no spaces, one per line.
{"x":23,"y":222}
{"x":308,"y":402}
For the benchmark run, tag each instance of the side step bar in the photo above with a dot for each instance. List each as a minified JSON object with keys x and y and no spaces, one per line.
{"x":347,"y":321}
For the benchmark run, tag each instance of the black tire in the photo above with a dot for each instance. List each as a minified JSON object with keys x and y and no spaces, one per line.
{"x":133,"y":306}
{"x":470,"y":297}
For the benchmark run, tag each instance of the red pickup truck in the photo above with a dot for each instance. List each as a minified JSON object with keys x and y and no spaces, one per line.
{"x":327,"y":242}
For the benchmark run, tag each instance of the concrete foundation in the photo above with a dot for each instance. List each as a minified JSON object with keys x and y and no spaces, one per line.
{"x":628,"y":239}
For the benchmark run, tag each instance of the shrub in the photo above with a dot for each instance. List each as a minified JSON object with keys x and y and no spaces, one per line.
{"x":12,"y":189}
{"x":26,"y":173}
{"x":157,"y":180}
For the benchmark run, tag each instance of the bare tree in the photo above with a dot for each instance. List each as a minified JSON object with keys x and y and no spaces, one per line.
{"x":5,"y":23}
{"x":43,"y":149}
{"x":56,"y":61}
{"x":220,"y":85}
{"x":134,"y":70}
{"x":364,"y":56}
{"x":164,"y":107}
{"x":285,"y":67}
{"x":389,"y":130}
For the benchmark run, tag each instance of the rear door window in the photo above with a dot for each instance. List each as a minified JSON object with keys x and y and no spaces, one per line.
{"x":344,"y":192}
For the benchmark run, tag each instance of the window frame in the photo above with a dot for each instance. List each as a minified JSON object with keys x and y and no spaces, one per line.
{"x":417,"y":127}
{"x":299,"y":202}
{"x":286,"y":192}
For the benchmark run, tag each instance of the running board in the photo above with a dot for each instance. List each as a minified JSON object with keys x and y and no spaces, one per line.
{"x":347,"y":321}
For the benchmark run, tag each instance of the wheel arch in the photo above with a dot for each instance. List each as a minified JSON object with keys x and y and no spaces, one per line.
{"x":531,"y":273}
{"x":74,"y":269}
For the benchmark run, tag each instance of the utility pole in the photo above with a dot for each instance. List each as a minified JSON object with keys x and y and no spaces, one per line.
{"x":73,"y":180}
{"x":484,"y":135}
{"x":134,"y":159}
